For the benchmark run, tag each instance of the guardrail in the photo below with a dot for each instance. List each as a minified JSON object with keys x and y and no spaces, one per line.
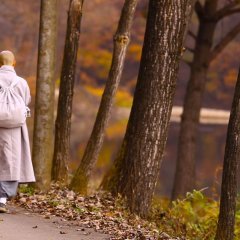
{"x":207,"y":116}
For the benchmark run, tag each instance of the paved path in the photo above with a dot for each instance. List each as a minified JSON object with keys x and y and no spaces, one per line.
{"x":21,"y":225}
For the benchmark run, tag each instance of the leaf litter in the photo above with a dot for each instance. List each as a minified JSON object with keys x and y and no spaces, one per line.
{"x":100,"y":211}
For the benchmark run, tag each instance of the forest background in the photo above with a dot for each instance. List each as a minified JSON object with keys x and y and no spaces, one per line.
{"x":20,"y":34}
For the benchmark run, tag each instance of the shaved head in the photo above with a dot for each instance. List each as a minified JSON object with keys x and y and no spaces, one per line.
{"x":7,"y":58}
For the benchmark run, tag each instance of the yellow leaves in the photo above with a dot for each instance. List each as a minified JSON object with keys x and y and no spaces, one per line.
{"x":104,"y":157}
{"x":117,"y":129}
{"x":94,"y":91}
{"x":123,"y":97}
{"x":213,"y":82}
{"x":99,"y":61}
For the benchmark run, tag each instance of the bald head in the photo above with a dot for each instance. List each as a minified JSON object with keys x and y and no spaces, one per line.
{"x":7,"y":58}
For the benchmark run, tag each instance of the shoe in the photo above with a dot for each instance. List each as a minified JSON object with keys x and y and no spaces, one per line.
{"x":3,"y":208}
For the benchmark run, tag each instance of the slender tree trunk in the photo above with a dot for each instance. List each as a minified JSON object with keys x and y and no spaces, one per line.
{"x":44,"y":106}
{"x":185,"y":170}
{"x":94,"y":145}
{"x":226,"y":221}
{"x":135,"y":171}
{"x":63,"y":121}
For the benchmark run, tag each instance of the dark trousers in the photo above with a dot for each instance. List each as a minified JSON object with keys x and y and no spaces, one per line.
{"x":8,"y":189}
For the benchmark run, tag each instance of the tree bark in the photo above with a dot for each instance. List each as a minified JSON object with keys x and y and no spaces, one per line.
{"x":94,"y":145}
{"x":135,"y":171}
{"x":204,"y":53}
{"x":185,"y":169}
{"x":63,"y":121}
{"x":226,"y":221}
{"x":44,"y":105}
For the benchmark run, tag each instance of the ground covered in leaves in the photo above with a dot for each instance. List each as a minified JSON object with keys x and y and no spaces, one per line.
{"x":99,"y":211}
{"x":192,"y":218}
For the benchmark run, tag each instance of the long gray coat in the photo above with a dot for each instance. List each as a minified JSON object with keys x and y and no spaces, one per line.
{"x":15,"y":155}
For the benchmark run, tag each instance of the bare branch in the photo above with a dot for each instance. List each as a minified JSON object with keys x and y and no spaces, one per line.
{"x":190,"y":49}
{"x":192,"y":34}
{"x":224,"y":42}
{"x":231,"y":8}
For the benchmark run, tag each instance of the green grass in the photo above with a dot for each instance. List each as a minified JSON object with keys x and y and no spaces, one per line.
{"x":26,"y":189}
{"x":195,"y":217}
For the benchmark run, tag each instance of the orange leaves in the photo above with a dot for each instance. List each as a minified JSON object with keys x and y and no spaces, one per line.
{"x":135,"y":51}
{"x":231,"y":77}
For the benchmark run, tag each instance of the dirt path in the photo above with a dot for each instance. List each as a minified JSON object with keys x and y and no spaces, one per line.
{"x":21,"y":225}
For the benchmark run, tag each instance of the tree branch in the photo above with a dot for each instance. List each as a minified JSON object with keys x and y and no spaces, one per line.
{"x":199,"y":9}
{"x":192,"y":34}
{"x":190,"y":49}
{"x":224,"y":42}
{"x":231,"y":8}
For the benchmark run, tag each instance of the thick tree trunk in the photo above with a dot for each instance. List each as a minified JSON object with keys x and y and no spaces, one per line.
{"x":226,"y":221}
{"x":121,"y":41}
{"x":44,"y":105}
{"x":135,"y":171}
{"x":185,"y":170}
{"x":63,"y":121}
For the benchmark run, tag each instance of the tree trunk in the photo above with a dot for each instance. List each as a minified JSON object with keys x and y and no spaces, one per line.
{"x":135,"y":171}
{"x":226,"y":221}
{"x":94,"y":145}
{"x":185,"y":170}
{"x":63,"y":121}
{"x":44,"y":105}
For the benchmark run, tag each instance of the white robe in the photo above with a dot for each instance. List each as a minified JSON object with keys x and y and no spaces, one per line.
{"x":15,"y":155}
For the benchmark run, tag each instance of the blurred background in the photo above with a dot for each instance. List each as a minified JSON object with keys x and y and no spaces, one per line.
{"x":19,"y":33}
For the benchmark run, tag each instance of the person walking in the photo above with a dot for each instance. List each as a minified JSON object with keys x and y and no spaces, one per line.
{"x":15,"y":156}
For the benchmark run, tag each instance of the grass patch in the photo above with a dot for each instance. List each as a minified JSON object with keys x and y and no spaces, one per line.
{"x":194,"y":217}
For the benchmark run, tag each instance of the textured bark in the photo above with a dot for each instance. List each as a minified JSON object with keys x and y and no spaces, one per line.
{"x":135,"y":171}
{"x":204,"y":53}
{"x":44,"y":105}
{"x":226,"y":221}
{"x":63,"y":121}
{"x":94,"y":145}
